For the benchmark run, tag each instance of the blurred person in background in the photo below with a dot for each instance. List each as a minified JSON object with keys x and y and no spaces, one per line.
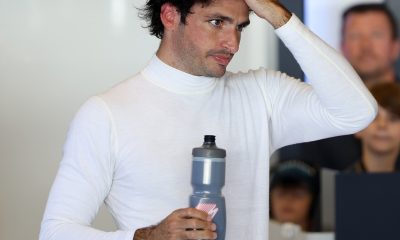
{"x":294,"y":194}
{"x":381,"y":139}
{"x":370,"y":43}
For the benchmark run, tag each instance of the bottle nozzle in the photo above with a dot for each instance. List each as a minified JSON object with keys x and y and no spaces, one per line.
{"x":209,"y":140}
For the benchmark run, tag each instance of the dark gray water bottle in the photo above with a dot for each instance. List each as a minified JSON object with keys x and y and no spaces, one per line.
{"x":208,"y":178}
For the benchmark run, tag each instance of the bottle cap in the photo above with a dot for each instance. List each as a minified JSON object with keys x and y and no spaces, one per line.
{"x":209,"y":149}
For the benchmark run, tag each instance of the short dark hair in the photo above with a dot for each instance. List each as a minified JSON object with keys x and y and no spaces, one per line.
{"x":298,"y":174}
{"x":372,"y":7}
{"x":294,"y":174}
{"x":152,"y":10}
{"x":388,"y":96}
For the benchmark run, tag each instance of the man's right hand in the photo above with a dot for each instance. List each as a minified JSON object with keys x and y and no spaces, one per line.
{"x":182,"y":224}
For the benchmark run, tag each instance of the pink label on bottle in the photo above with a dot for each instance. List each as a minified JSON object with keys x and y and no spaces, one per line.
{"x":210,"y":208}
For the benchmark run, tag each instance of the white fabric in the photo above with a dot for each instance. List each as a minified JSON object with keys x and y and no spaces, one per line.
{"x":131,"y":146}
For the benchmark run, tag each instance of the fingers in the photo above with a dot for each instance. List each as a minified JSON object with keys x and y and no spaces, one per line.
{"x":192,"y":213}
{"x":191,"y":218}
{"x":186,"y":224}
{"x":195,"y":235}
{"x":195,"y":224}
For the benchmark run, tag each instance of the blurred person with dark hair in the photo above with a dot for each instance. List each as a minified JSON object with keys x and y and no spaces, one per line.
{"x":294,"y":194}
{"x":381,"y":139}
{"x":370,"y":42}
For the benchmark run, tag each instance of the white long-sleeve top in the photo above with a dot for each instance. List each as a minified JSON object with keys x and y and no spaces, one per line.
{"x":131,"y":146}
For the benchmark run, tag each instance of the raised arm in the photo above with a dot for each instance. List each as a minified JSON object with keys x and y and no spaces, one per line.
{"x":272,"y":11}
{"x":333,"y":102}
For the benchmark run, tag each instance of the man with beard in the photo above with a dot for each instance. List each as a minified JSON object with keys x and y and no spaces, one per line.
{"x":130,"y":147}
{"x":370,"y":43}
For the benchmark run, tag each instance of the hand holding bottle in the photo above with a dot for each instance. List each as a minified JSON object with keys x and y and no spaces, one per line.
{"x":182,"y":224}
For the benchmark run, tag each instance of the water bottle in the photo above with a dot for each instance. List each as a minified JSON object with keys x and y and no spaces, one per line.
{"x":208,"y":178}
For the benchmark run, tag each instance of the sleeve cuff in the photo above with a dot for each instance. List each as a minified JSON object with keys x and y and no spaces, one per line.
{"x":286,"y":30}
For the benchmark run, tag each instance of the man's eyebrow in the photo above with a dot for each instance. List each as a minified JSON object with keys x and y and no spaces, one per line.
{"x":220,"y":16}
{"x":228,"y":19}
{"x":244,"y":24}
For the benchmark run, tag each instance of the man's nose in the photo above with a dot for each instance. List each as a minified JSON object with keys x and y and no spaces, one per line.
{"x":366,"y":42}
{"x":231,"y":40}
{"x":381,"y":122}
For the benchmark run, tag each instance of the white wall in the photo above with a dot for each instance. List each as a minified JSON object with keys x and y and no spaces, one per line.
{"x":54,"y":54}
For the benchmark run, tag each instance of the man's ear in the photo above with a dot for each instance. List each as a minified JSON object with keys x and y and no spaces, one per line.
{"x":170,"y":17}
{"x":342,"y":46}
{"x":396,"y":50}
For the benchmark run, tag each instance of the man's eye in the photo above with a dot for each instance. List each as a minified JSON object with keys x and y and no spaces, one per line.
{"x":354,"y":36}
{"x":216,"y":22}
{"x":377,"y":34}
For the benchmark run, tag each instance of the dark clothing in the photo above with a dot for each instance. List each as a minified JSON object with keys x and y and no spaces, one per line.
{"x":358,"y":167}
{"x":334,"y":153}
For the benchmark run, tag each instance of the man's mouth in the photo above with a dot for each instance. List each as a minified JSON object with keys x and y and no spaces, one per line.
{"x":367,"y":56}
{"x":382,"y":137}
{"x":222,"y":59}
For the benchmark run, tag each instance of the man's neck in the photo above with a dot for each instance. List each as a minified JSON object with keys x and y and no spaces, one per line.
{"x":164,"y":55}
{"x":379,"y":162}
{"x":388,"y":76}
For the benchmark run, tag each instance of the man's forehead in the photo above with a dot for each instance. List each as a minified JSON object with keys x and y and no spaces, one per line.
{"x":371,"y":15}
{"x":225,"y":4}
{"x":366,"y":20}
{"x":228,"y":8}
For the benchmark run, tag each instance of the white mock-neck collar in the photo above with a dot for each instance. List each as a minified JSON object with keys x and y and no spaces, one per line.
{"x":174,"y":80}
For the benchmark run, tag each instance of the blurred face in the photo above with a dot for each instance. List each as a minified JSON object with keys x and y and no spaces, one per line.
{"x":291,"y":205}
{"x":205,"y":45}
{"x":368,"y":44}
{"x":382,"y":136}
